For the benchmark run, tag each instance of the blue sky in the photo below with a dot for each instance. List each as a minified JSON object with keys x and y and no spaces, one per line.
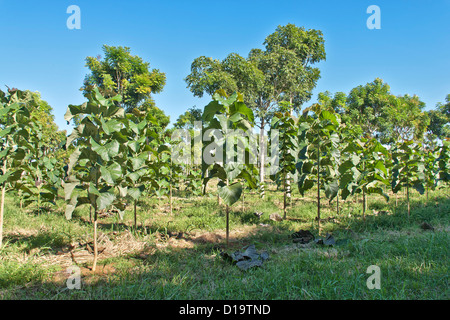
{"x":38,"y":52}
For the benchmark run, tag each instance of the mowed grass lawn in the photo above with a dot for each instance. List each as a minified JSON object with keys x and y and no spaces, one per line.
{"x":177,"y":255}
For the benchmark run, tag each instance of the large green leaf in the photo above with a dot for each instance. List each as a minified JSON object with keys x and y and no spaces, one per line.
{"x":111,"y":173}
{"x":231,"y":193}
{"x":107,"y":151}
{"x":105,"y":199}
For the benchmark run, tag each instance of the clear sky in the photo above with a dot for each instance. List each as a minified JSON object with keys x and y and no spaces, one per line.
{"x":411,"y":51}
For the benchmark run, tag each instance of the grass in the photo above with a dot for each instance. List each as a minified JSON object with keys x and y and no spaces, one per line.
{"x":152,"y":263}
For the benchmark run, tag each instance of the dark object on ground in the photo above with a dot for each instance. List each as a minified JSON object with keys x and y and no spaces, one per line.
{"x":302,"y":236}
{"x":247,"y":259}
{"x":426,"y":226}
{"x":258,"y":214}
{"x":328,"y":241}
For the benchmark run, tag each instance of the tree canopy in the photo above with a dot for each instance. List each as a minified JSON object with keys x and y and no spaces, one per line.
{"x":119,"y":72}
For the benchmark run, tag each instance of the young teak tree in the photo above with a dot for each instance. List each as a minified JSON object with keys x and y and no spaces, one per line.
{"x":287,"y":129}
{"x":43,"y":173}
{"x":364,"y":170}
{"x":14,"y":135}
{"x":408,"y":169}
{"x":444,"y":161}
{"x":228,"y":155}
{"x":138,"y":130}
{"x":319,"y":141}
{"x":98,"y":161}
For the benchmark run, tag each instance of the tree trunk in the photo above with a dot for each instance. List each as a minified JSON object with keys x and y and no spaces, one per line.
{"x":337,"y":204}
{"x":261,"y":156}
{"x":243,"y":203}
{"x":318,"y":186}
{"x":284,"y":204}
{"x":407,"y":199}
{"x":135,"y":216}
{"x":364,"y":204}
{"x":228,"y":223}
{"x":170,"y":195}
{"x":2,"y":204}
{"x":94,"y":264}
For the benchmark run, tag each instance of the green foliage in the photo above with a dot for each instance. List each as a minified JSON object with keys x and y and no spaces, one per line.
{"x":97,"y":164}
{"x":439,"y":125}
{"x":187,"y":119}
{"x":403,"y":119}
{"x":365,"y":105}
{"x":364,"y":169}
{"x":443,"y":162}
{"x":122,"y":73}
{"x":319,"y":140}
{"x":408,"y":169}
{"x":288,"y":150}
{"x":230,"y":118}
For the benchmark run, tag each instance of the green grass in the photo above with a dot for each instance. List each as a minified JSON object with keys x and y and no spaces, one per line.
{"x":413,"y":262}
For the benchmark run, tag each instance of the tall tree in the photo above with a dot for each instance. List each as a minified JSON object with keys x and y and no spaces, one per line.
{"x":439,"y":125}
{"x":403,"y":119}
{"x":365,"y":105}
{"x":187,"y":119}
{"x":125,"y":74}
{"x":281,"y":72}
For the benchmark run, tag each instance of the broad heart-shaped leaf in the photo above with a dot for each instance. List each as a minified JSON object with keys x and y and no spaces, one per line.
{"x":137,"y":163}
{"x":331,"y":189}
{"x":107,"y":151}
{"x":70,"y":207}
{"x":111,"y":126}
{"x":105,"y":199}
{"x":241,"y":108}
{"x":111,"y":173}
{"x":136,"y":175}
{"x":73,"y":110}
{"x":233,"y":169}
{"x":327,"y":115}
{"x":69,"y":186}
{"x":135,"y":193}
{"x":210,"y":110}
{"x":418,"y":185}
{"x":231,"y":193}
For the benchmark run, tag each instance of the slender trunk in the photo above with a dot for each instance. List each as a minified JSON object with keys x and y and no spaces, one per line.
{"x":261,"y":156}
{"x":364,"y":204}
{"x":170,"y":195}
{"x":94,"y":264}
{"x":407,"y":199}
{"x":135,"y":216}
{"x":243,"y":201}
{"x":90,"y":214}
{"x":427,"y":193}
{"x":227,"y":209}
{"x":337,"y":204}
{"x":39,"y":201}
{"x":396,"y":200}
{"x":318,"y":187}
{"x":228,"y":223}
{"x":284,"y":200}
{"x":2,"y":206}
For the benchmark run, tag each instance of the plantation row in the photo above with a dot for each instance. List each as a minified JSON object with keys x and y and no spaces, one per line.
{"x":115,"y":158}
